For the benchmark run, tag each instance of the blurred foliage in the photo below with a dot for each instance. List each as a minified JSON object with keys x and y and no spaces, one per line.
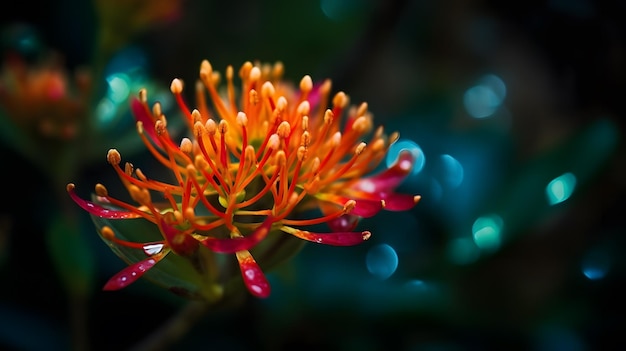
{"x":537,"y":276}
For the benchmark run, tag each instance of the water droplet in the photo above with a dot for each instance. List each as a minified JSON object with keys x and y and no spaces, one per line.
{"x":382,"y":261}
{"x":152,"y":249}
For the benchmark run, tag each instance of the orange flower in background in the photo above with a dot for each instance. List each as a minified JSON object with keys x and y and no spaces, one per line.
{"x":42,"y":99}
{"x":270,"y":159}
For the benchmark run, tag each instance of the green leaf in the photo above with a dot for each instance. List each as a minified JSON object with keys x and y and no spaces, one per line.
{"x":71,"y":255}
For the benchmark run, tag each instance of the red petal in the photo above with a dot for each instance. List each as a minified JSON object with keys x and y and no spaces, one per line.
{"x":98,"y":210}
{"x":345,"y":223}
{"x":400,"y":202}
{"x":389,"y":179}
{"x":364,"y":207}
{"x":334,"y":239}
{"x":130,"y":274}
{"x":142,"y":115}
{"x":232,"y":245}
{"x":252,"y":275}
{"x":184,"y":247}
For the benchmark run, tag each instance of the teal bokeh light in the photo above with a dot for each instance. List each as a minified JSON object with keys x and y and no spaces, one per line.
{"x":487,"y":232}
{"x":119,"y":87}
{"x":453,"y":171}
{"x":382,"y":261}
{"x":484,"y":99}
{"x":560,"y":188}
{"x":462,"y":251}
{"x":596,"y":264}
{"x":406,"y":145}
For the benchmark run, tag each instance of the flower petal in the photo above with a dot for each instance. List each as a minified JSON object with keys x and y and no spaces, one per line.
{"x":131,"y":273}
{"x":389,"y":179}
{"x":143,"y":116}
{"x":98,"y":210}
{"x":186,"y":246}
{"x":400,"y":202}
{"x":232,"y":245}
{"x":252,"y":275}
{"x":333,"y":239}
{"x":363,"y":208}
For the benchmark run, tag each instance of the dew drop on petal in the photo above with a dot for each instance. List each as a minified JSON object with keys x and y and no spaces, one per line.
{"x":382,"y":261}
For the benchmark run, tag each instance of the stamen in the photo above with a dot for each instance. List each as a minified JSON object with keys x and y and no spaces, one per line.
{"x":113,"y":157}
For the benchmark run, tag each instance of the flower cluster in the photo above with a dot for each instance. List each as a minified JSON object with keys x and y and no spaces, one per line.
{"x":270,"y":159}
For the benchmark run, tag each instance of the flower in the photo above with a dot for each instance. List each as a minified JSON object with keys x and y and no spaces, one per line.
{"x":42,"y":99}
{"x":253,"y":166}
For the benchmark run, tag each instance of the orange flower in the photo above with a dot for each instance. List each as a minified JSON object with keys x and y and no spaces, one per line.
{"x":253,"y":165}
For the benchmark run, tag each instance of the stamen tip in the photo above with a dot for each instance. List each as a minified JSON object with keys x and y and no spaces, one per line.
{"x":114,"y":157}
{"x":366,"y":235}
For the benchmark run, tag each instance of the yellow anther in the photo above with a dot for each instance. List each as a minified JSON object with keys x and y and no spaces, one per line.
{"x":349,"y":206}
{"x":113,"y":157}
{"x":301,"y":153}
{"x":159,"y":126}
{"x":273,"y":142}
{"x":305,"y":123}
{"x":255,"y":74}
{"x":195,"y":114}
{"x":306,"y":84}
{"x":340,"y":100}
{"x":242,"y":119}
{"x":177,"y":86}
{"x":205,"y":69}
{"x":281,"y":103}
{"x":223,"y":126}
{"x":101,"y":190}
{"x":186,"y":145}
{"x":328,"y":116}
{"x":140,"y":175}
{"x":156,"y":109}
{"x":107,"y":233}
{"x":305,"y":140}
{"x":198,"y":129}
{"x":366,"y":235}
{"x":267,"y":90}
{"x":283,"y":130}
{"x":210,"y":126}
{"x":253,"y":97}
{"x":304,"y":108}
{"x":362,"y":109}
{"x":250,"y":154}
{"x":280,"y":158}
{"x":360,"y":148}
{"x":143,"y":95}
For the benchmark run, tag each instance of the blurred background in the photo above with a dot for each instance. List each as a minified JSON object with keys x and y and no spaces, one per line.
{"x":514,"y":111}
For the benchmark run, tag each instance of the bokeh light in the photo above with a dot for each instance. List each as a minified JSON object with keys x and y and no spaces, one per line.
{"x":484,"y":99}
{"x":453,"y":171}
{"x":596,"y":264}
{"x":382,"y":261}
{"x":406,"y":145}
{"x":560,"y":188}
{"x":487,"y":231}
{"x":462,"y":251}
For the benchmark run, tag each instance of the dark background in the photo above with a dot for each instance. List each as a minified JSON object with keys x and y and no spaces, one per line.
{"x":564,"y":67}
